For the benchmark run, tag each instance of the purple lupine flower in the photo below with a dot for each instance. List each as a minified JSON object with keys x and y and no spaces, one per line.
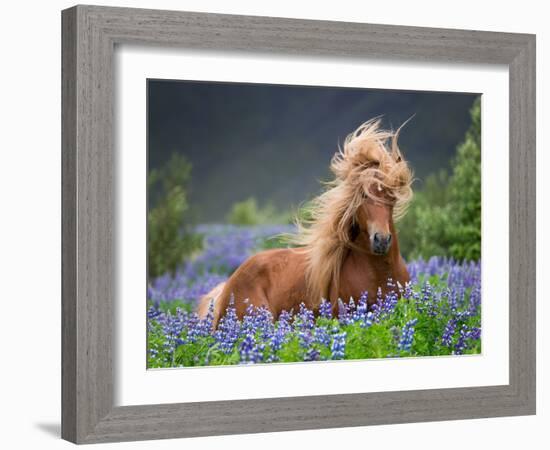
{"x":452,"y":300}
{"x":228,"y":329}
{"x":250,"y":350}
{"x":378,"y":306}
{"x":461,"y":294}
{"x":264,"y":323}
{"x":466,"y":334}
{"x":202,"y":327}
{"x":362,"y":308}
{"x":321,"y":336}
{"x":475,"y":333}
{"x":448,"y":332}
{"x":248,"y":324}
{"x":361,"y":313}
{"x":344,"y":316}
{"x":172,"y":328}
{"x":282,"y":329}
{"x":325,"y":309}
{"x":278,"y":339}
{"x":194,"y":329}
{"x":284,"y":321}
{"x":153,"y":312}
{"x":461,"y":342}
{"x":407,"y":336}
{"x":338,"y":346}
{"x":367,"y":320}
{"x":172,"y":325}
{"x":384,"y":306}
{"x":391,"y":301}
{"x":474,"y":300}
{"x":305,"y":338}
{"x":407,"y":291}
{"x":424,"y":302}
{"x":351,"y":306}
{"x":305,"y":319}
{"x":467,"y":274}
{"x":312,"y":355}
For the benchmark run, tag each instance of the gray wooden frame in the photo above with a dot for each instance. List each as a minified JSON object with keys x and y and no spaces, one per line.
{"x":89,"y":36}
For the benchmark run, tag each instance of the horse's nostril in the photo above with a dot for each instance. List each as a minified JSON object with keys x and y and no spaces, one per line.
{"x":381,"y":243}
{"x":382,"y":239}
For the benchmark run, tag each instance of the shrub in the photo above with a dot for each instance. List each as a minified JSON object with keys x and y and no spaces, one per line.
{"x":169,"y":238}
{"x":248,"y":212}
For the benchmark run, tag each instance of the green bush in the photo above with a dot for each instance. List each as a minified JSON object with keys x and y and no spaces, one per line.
{"x":248,"y":212}
{"x":169,"y":239}
{"x":413,"y":240}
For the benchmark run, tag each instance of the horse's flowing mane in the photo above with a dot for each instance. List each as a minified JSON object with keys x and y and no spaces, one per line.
{"x":369,"y":158}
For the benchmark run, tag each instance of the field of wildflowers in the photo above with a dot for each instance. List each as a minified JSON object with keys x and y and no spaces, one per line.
{"x":438,"y":313}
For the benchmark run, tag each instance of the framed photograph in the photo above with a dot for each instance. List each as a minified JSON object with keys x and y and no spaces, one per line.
{"x":277,"y":224}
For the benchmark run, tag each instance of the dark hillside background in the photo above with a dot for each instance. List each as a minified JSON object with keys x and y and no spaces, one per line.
{"x":274,"y":142}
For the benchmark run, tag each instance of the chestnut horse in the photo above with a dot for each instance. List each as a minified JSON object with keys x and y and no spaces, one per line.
{"x":347,"y":247}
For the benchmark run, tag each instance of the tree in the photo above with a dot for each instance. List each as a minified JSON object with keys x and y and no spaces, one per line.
{"x":169,"y":239}
{"x":465,"y":193}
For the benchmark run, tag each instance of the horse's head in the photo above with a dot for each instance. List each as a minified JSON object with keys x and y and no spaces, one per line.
{"x":377,"y":179}
{"x":374,"y":217}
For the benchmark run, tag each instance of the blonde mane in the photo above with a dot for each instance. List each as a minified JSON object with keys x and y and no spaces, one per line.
{"x":370,"y":158}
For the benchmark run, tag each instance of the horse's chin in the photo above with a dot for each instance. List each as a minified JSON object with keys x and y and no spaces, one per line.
{"x":378,"y":252}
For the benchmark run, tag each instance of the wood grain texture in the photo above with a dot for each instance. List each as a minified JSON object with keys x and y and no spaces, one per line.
{"x":89,"y":37}
{"x":522,"y":225}
{"x":68,"y":226}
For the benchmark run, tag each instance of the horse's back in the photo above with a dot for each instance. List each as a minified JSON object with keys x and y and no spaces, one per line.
{"x":272,"y":278}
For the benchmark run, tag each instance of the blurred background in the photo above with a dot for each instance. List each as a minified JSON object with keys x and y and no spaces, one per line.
{"x":232,"y":162}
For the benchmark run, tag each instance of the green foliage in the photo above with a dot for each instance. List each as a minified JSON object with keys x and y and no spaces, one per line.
{"x":445,"y":215}
{"x":304,"y":213}
{"x":414,"y":241}
{"x":248,"y":212}
{"x":377,"y":341}
{"x":173,"y":305}
{"x":168,"y":236}
{"x":277,"y":241}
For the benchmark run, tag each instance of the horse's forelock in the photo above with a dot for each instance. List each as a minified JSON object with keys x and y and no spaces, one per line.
{"x":374,"y":159}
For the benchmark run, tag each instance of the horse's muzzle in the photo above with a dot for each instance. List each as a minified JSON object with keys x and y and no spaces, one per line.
{"x":381,"y":243}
